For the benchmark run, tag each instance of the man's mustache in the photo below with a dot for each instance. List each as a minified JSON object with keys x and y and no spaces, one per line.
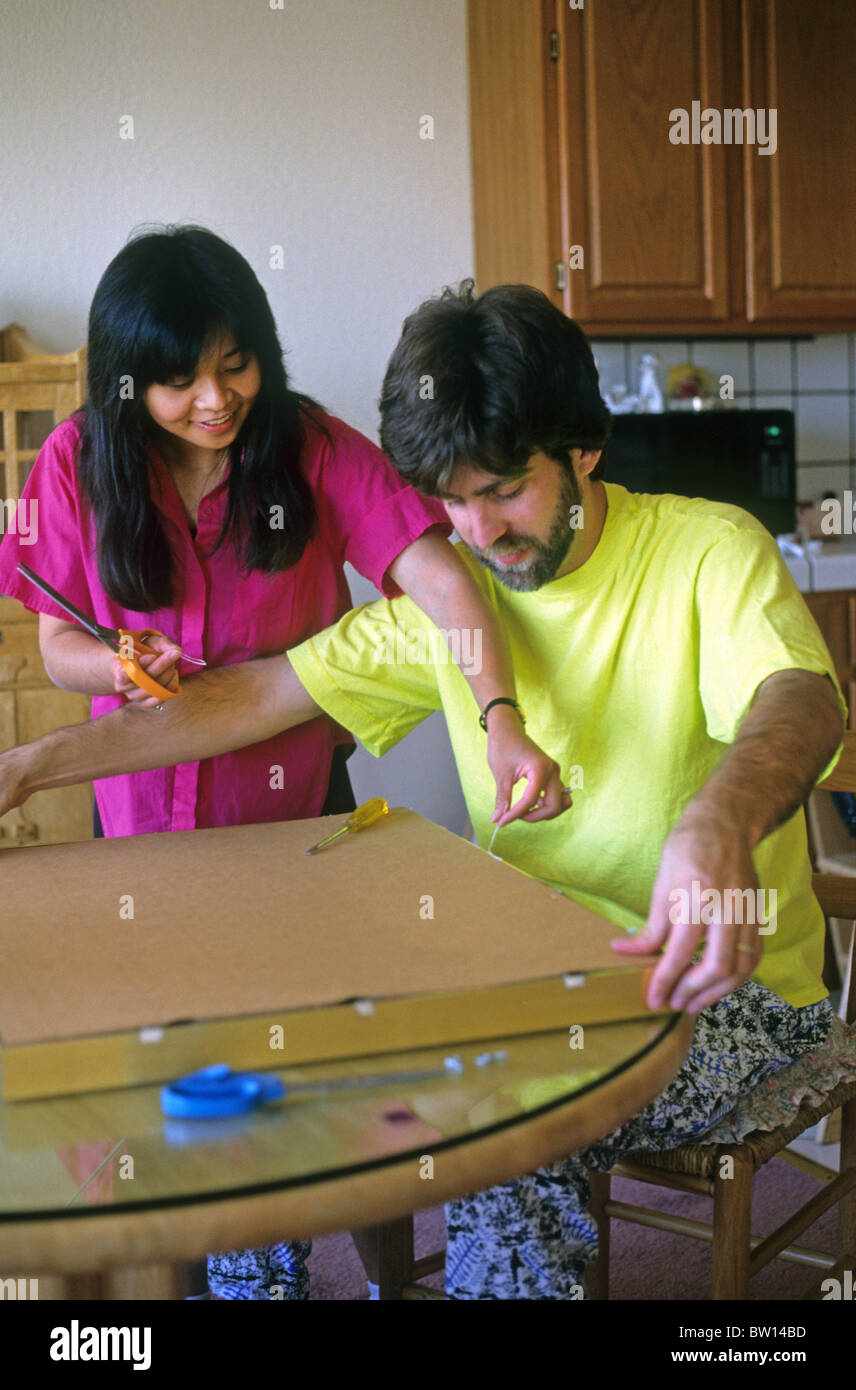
{"x":511,"y":547}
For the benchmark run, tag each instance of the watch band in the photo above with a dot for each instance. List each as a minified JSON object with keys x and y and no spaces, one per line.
{"x":500,"y":700}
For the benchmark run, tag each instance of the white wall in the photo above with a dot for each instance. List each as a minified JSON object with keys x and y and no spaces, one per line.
{"x":298,"y":127}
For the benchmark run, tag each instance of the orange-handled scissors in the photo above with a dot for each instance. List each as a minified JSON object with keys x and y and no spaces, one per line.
{"x":128,"y":646}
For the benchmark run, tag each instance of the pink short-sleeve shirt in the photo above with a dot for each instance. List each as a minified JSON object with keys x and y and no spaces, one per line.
{"x":365,"y":516}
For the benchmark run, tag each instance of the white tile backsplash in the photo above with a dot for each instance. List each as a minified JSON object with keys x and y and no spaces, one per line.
{"x":610,"y":363}
{"x":671,"y":354}
{"x":729,"y":358}
{"x":814,"y":480}
{"x":823,"y":428}
{"x":772,"y":366}
{"x":822,"y":363}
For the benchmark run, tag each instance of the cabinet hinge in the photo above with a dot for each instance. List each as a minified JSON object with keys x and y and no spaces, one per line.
{"x":554,"y":45}
{"x":561,"y":276}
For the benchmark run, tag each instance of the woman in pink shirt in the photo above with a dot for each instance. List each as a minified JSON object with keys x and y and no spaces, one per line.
{"x":198,"y":495}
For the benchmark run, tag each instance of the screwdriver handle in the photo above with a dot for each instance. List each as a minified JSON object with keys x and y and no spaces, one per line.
{"x":366,"y":814}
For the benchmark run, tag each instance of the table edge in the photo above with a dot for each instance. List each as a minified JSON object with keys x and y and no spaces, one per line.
{"x":91,"y":1243}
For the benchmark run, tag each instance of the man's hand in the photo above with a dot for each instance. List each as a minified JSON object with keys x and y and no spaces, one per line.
{"x":12,"y":791}
{"x":512,"y":756}
{"x":783,"y":745}
{"x":710,"y":857}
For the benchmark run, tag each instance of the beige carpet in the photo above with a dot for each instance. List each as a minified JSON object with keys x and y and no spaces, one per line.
{"x":645,"y":1264}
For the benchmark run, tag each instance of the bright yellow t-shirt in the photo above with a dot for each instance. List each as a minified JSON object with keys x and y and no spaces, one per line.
{"x":634,"y":672}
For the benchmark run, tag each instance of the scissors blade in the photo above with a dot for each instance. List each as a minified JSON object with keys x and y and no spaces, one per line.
{"x":104,"y":634}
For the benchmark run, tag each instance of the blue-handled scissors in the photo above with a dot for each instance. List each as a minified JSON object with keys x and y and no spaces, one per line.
{"x":217,"y":1090}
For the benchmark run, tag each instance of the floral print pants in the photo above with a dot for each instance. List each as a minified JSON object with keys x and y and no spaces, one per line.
{"x":532,"y":1237}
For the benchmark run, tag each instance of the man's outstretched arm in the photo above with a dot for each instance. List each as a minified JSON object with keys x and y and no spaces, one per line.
{"x":217,"y":712}
{"x":783,"y":746}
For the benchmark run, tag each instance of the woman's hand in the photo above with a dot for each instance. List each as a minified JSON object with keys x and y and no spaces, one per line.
{"x":512,"y":756}
{"x":162,"y":667}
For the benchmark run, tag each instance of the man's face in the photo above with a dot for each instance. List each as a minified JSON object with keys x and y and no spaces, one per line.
{"x":520,"y":528}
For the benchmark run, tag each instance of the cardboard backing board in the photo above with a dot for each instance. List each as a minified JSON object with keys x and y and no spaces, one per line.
{"x":236,"y":931}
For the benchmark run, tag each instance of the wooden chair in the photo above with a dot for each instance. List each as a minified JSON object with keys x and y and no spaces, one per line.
{"x":387,"y":1255}
{"x":37,"y":391}
{"x":697,"y":1168}
{"x":388,"y":1250}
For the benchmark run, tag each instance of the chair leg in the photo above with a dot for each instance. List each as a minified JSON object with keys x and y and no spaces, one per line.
{"x":847,"y":1205}
{"x":732,"y":1226}
{"x":395,"y":1257}
{"x":597,"y":1274}
{"x":387,"y":1255}
{"x":367,"y":1242}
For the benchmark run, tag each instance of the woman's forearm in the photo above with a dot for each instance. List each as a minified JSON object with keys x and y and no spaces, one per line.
{"x":75,"y":660}
{"x":431,"y":572}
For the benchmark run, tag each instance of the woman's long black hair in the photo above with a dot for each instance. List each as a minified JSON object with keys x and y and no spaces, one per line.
{"x":157,"y":306}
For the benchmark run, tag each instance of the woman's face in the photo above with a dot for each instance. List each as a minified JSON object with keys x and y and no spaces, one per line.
{"x":208,"y":411}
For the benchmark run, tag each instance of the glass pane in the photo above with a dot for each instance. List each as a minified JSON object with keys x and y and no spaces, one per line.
{"x":34,"y":426}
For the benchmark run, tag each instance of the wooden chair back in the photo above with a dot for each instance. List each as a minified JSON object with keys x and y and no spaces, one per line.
{"x":837,"y":892}
{"x":37,"y":391}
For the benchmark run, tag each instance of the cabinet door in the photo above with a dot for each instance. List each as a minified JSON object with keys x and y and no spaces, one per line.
{"x":29,"y":707}
{"x":16,"y":828}
{"x":834,"y":612}
{"x":515,"y":159}
{"x":11,"y":611}
{"x":650,"y":215}
{"x":64,"y":814}
{"x":20,"y":657}
{"x":801,"y":202}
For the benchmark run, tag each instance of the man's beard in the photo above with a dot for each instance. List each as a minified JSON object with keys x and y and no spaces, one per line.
{"x":533,"y":572}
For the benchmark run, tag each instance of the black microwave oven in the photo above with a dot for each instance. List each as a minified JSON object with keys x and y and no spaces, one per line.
{"x":740,"y":456}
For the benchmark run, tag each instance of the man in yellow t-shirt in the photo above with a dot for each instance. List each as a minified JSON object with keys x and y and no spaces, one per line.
{"x":662,"y":656}
{"x":648,"y":634}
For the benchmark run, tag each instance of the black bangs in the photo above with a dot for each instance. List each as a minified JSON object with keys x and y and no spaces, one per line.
{"x":164,"y":298}
{"x":162,"y":352}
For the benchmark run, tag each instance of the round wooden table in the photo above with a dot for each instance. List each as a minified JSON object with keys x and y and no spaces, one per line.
{"x":101,"y":1196}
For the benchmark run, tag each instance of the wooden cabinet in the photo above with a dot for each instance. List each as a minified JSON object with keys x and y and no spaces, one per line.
{"x":29,"y":707}
{"x":651,"y":217}
{"x":36,"y":392}
{"x":580,"y":190}
{"x":801,"y":205}
{"x":834,"y":611}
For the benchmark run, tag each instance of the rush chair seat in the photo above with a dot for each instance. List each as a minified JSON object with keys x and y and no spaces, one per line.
{"x":699,"y":1168}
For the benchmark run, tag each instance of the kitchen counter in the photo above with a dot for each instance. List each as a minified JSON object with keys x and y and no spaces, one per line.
{"x":831,"y":565}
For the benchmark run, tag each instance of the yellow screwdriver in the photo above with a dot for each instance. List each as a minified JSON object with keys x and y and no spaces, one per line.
{"x":367,"y":814}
